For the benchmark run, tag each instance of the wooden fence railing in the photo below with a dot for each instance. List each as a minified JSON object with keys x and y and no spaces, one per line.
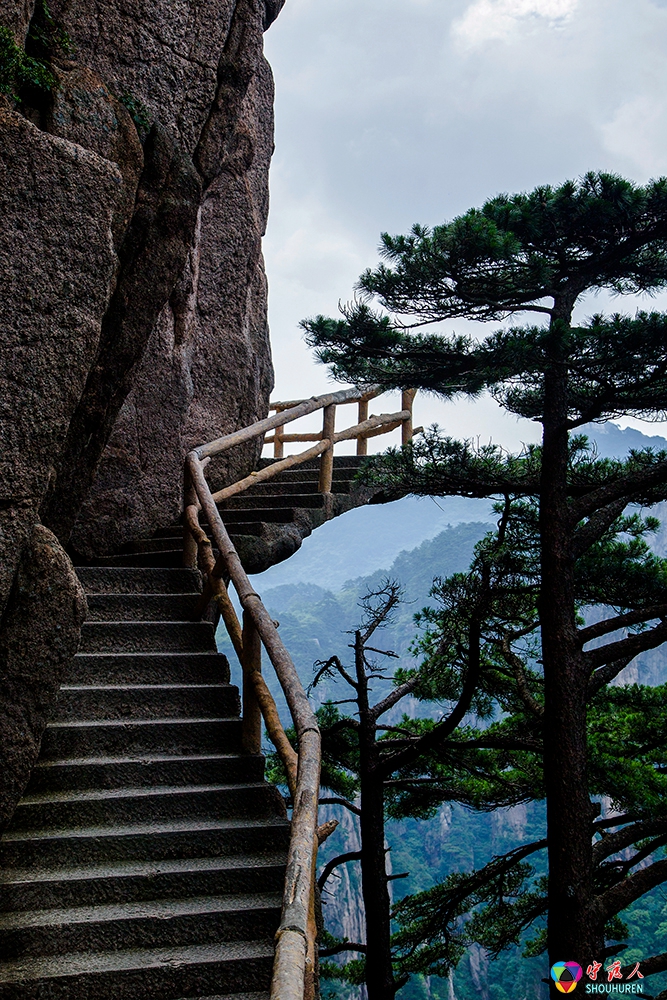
{"x":295,"y":962}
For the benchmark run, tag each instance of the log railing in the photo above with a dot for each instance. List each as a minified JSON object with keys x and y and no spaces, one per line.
{"x":295,"y":963}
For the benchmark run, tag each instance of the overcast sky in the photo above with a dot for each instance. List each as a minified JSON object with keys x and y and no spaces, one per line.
{"x":390,"y":112}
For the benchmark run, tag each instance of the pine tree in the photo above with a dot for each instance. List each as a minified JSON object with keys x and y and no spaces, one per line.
{"x":501,"y":764}
{"x":536,"y":253}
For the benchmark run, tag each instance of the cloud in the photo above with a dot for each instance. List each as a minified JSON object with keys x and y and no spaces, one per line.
{"x":638,"y":133}
{"x":386,"y":116}
{"x":486,"y":20}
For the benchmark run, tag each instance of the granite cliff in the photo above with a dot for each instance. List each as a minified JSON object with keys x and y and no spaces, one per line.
{"x":135,"y":141}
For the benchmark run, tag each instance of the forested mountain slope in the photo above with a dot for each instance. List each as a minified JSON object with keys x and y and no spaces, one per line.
{"x":314,"y":620}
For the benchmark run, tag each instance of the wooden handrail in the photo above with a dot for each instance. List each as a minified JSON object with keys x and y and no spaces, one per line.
{"x":294,"y":966}
{"x":293,"y":974}
{"x":285,"y":416}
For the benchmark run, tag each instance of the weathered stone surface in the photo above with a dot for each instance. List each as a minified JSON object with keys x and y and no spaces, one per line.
{"x":39,"y":635}
{"x":240,"y":60}
{"x":107,"y":246}
{"x":273,"y":8}
{"x":152,"y":255}
{"x":16,"y":15}
{"x":207,"y":367}
{"x":163,"y":53}
{"x":57,"y":268}
{"x":84,"y":111}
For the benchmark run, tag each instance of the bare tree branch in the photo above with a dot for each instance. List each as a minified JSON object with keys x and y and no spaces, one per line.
{"x":340,"y":859}
{"x":606,"y":674}
{"x":336,"y":800}
{"x":593,"y":529}
{"x":343,"y":946}
{"x":519,"y":671}
{"x":393,"y":698}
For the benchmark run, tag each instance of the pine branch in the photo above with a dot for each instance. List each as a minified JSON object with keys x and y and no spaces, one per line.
{"x":336,"y":949}
{"x":632,"y":487}
{"x":593,"y":529}
{"x":633,"y":887}
{"x":627,"y":648}
{"x":604,"y":675}
{"x":636,"y":617}
{"x":518,"y":669}
{"x":336,"y":800}
{"x":614,"y":843}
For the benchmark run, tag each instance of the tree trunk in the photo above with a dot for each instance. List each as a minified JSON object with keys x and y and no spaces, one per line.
{"x":572,"y":926}
{"x":379,"y":972}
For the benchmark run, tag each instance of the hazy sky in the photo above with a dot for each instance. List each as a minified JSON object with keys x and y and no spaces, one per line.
{"x":390,"y":112}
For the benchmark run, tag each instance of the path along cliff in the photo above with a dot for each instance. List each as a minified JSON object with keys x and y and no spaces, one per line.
{"x":135,"y":142}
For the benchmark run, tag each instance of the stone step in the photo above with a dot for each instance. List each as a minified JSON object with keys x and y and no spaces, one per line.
{"x":176,"y":839}
{"x":132,"y":805}
{"x":141,"y":974}
{"x":147,"y":637}
{"x":271,"y":502}
{"x":112,"y":738}
{"x":157,"y":543}
{"x":249,"y":514}
{"x":142,"y":607}
{"x":132,"y":882}
{"x":236,"y":996}
{"x":148,"y":924}
{"x":341,"y":462}
{"x":171,"y":558}
{"x":126,"y":580}
{"x":293,"y":486}
{"x":148,"y":668}
{"x":146,"y":701}
{"x":144,"y":772}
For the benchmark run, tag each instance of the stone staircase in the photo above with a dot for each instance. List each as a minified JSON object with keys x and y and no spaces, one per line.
{"x":147,"y":857}
{"x":266,"y":523}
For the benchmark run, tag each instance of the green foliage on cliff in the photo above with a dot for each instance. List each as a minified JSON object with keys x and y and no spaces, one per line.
{"x":19,"y":70}
{"x":25,"y":70}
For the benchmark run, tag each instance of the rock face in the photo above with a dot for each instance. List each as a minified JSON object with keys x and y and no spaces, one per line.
{"x":133,"y":200}
{"x":39,"y":635}
{"x":195,"y":357}
{"x":207,"y":365}
{"x":16,"y":15}
{"x":58,"y":202}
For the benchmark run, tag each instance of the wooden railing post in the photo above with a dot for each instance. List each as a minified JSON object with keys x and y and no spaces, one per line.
{"x":251,"y":732}
{"x":190,"y":547}
{"x":278,"y":444}
{"x":407,"y":400}
{"x":362,"y":442}
{"x":326,"y":460}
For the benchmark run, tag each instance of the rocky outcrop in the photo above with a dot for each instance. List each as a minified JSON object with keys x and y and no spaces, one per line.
{"x":58,"y":203}
{"x":207,"y":366}
{"x":39,"y":635}
{"x":16,"y":15}
{"x":133,"y":195}
{"x":184,"y":354}
{"x":154,"y":249}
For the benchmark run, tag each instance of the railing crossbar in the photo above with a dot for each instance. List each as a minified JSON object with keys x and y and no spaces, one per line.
{"x":283,"y":417}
